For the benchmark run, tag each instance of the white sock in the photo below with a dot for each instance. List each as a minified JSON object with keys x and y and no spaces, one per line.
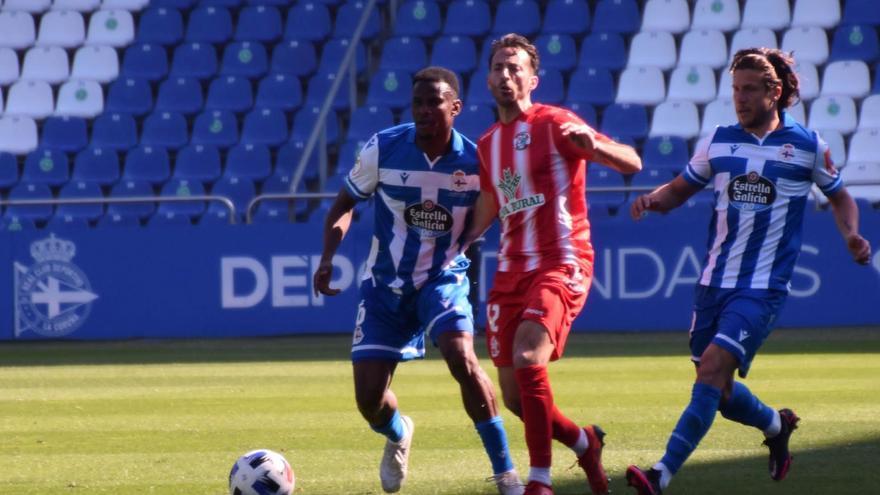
{"x":539,"y":474}
{"x":775,"y":426}
{"x":582,"y":444}
{"x":665,"y":475}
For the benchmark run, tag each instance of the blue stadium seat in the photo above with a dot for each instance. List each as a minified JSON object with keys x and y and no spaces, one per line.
{"x":8,"y":170}
{"x":665,"y":153}
{"x":80,"y":189}
{"x":289,"y":156}
{"x":258,"y":23}
{"x":147,"y":164}
{"x":456,"y":53}
{"x":477,"y":91}
{"x":264,"y":126}
{"x":551,"y":87}
{"x":66,"y":134}
{"x":557,"y":51}
{"x":368,"y":120}
{"x":194,"y":59}
{"x":593,"y":85}
{"x":182,"y":188}
{"x":209,"y":24}
{"x":605,"y":50}
{"x":349,"y":15}
{"x":418,"y":18}
{"x":130,"y":95}
{"x":855,"y":42}
{"x":275,"y":211}
{"x":117,"y":221}
{"x":860,"y":12}
{"x":390,"y":88}
{"x":171,"y":219}
{"x":348,"y":154}
{"x":404,"y":53}
{"x":468,"y":18}
{"x":517,"y":16}
{"x":163,"y":26}
{"x":198,"y":162}
{"x":294,"y":58}
{"x":622,"y":119}
{"x":14,"y":223}
{"x":230,"y":93}
{"x":67,"y":223}
{"x":45,"y":166}
{"x":650,"y":177}
{"x":599,"y":176}
{"x":474,"y":120}
{"x":98,"y":165}
{"x":131,"y":189}
{"x":617,"y":16}
{"x":280,"y":91}
{"x":181,"y":95}
{"x":304,"y":121}
{"x":216,"y":128}
{"x":114,"y":131}
{"x":566,"y":17}
{"x":875,"y":89}
{"x":245,"y":59}
{"x":250,"y":161}
{"x":221,"y":3}
{"x":586,"y":111}
{"x":165,"y":129}
{"x":308,"y":21}
{"x":319,"y":87}
{"x":175,"y":4}
{"x":238,"y":189}
{"x":32,"y":213}
{"x":145,"y":61}
{"x":334,"y":51}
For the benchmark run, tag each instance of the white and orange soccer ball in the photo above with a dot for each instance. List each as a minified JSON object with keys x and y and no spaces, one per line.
{"x":261,"y":472}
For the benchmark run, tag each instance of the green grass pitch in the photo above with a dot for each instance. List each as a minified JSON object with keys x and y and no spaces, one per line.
{"x":171,"y":417}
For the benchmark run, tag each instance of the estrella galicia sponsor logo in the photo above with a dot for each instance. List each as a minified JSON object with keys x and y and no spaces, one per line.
{"x":53,"y":296}
{"x":522,"y":141}
{"x":751,"y":192}
{"x":428,"y":218}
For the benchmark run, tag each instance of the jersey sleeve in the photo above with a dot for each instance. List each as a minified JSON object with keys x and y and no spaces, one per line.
{"x":566,"y":147}
{"x":825,"y":174}
{"x":698,"y":170}
{"x":363,"y":178}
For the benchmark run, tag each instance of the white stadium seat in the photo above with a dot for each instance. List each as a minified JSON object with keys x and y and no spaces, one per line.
{"x":676,"y":118}
{"x":837,"y":146}
{"x":869,"y":116}
{"x":773,"y":14}
{"x":714,"y":14}
{"x":862,"y":172}
{"x":9,"y":69}
{"x":131,"y":5}
{"x":30,"y":99}
{"x":846,"y":78}
{"x":704,"y":47}
{"x":819,"y":13}
{"x":17,"y":28}
{"x":719,"y":112}
{"x":18,"y":134}
{"x":798,"y":113}
{"x":77,"y":5}
{"x":864,"y":146}
{"x":725,"y":85}
{"x":45,"y":63}
{"x":673,"y":16}
{"x":809,"y":44}
{"x":750,"y":38}
{"x":808,"y":80}
{"x":111,"y":27}
{"x":80,"y":99}
{"x":641,"y":85}
{"x":97,"y":63}
{"x":692,"y":83}
{"x":835,"y":113}
{"x":652,"y":49}
{"x":32,"y":6}
{"x":64,"y":28}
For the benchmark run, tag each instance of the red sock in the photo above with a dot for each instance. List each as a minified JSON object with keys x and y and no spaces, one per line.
{"x":537,"y":411}
{"x":564,"y":429}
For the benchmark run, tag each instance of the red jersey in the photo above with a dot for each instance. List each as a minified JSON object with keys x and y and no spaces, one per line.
{"x":538,"y":180}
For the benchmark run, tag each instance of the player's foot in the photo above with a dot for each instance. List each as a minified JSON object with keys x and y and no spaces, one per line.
{"x":591,"y":460}
{"x":645,"y":482}
{"x":780,"y":457}
{"x":393,"y":469}
{"x":537,"y":488}
{"x":508,"y":483}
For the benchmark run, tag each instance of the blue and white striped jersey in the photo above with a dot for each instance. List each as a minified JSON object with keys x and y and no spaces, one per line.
{"x":422,"y":207}
{"x":761,"y":189}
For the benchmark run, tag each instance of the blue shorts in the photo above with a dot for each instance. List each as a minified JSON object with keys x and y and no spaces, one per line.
{"x":737,"y":320}
{"x":391,"y":325}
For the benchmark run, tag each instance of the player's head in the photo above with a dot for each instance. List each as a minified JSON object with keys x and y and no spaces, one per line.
{"x":513,"y":65}
{"x":764,"y":83}
{"x":435,"y":101}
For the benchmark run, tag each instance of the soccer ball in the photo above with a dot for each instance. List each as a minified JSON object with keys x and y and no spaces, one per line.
{"x":261,"y":472}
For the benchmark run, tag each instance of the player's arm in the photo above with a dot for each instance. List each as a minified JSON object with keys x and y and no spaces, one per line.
{"x":846,"y":214}
{"x":485,"y":211}
{"x":336,"y":225}
{"x":598,"y":148}
{"x":666,"y":197}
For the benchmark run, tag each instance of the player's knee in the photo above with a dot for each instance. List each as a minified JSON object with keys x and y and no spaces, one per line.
{"x":369,"y":400}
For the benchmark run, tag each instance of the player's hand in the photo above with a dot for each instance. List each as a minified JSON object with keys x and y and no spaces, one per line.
{"x":581,"y":135}
{"x":859,"y":248}
{"x":321,"y":281}
{"x":641,"y":206}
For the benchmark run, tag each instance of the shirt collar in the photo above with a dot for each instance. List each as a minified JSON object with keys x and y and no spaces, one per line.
{"x":457,"y":141}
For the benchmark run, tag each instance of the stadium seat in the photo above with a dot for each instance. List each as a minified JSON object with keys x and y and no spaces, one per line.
{"x":468,"y":18}
{"x":130,"y":95}
{"x":170,"y":219}
{"x":855,"y":42}
{"x":334,"y":51}
{"x":642,"y":85}
{"x":280,"y":91}
{"x":551,"y":87}
{"x":722,"y":15}
{"x":389,"y":88}
{"x":289,"y":156}
{"x":869,"y":114}
{"x":665,"y":153}
{"x":456,"y":53}
{"x":474,"y":120}
{"x":116,"y":221}
{"x":649,"y":178}
{"x":209,"y":24}
{"x":245,"y":59}
{"x":174,"y":4}
{"x":114,"y":131}
{"x":31,"y":191}
{"x":833,"y":113}
{"x":181,"y":95}
{"x":860,"y":12}
{"x":147,"y":164}
{"x":557,"y":51}
{"x":18,"y":134}
{"x":603,"y":50}
{"x":617,"y":16}
{"x":477,"y":92}
{"x":599,"y":177}
{"x":250,"y":161}
{"x":229,"y":93}
{"x":798,"y":112}
{"x":370,"y":119}
{"x":304,"y":122}
{"x":586,"y":111}
{"x":676,"y":118}
{"x":216,"y":128}
{"x":517,"y":16}
{"x":182,"y":188}
{"x":863,"y":146}
{"x":78,"y":98}
{"x":78,"y":190}
{"x":45,"y":63}
{"x":837,"y":147}
{"x":625,"y":120}
{"x":772,"y":14}
{"x":418,"y":18}
{"x":222,"y":3}
{"x":67,"y":134}
{"x":198,"y":162}
{"x":162,"y":26}
{"x":673,"y":16}
{"x":692,"y":83}
{"x":275,"y":211}
{"x":348,"y":154}
{"x":704,"y":47}
{"x":130,"y":5}
{"x":349,"y":15}
{"x":294,"y":58}
{"x":97,"y":165}
{"x":131,"y":189}
{"x":725,"y":85}
{"x":406,"y":54}
{"x":8,"y":170}
{"x":750,"y":38}
{"x":96,"y":63}
{"x":110,"y":28}
{"x":239,"y":190}
{"x":875,"y":89}
{"x":194,"y":59}
{"x":652,"y":49}
{"x":258,"y":23}
{"x":861,"y":173}
{"x":63,"y":28}
{"x":593,"y":85}
{"x":823,"y":14}
{"x":9,"y":68}
{"x":319,"y":87}
{"x":808,"y":80}
{"x":719,"y":112}
{"x":264,"y":126}
{"x":571,"y":17}
{"x":18,"y":29}
{"x":145,"y":61}
{"x":846,"y":78}
{"x":809,"y":43}
{"x":164,"y":129}
{"x":308,"y":21}
{"x":30,"y":99}
{"x":45,"y":166}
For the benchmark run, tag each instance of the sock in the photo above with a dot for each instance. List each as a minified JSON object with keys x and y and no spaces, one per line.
{"x":495,"y":442}
{"x":775,"y":425}
{"x":692,"y":425}
{"x":537,"y":411}
{"x":394,"y":430}
{"x":582,"y":443}
{"x":540,"y":474}
{"x":743,"y":407}
{"x":569,"y":433}
{"x":665,"y":475}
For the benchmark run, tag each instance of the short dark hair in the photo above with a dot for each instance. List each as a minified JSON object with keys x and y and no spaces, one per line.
{"x":513,"y":40}
{"x":438,"y":74}
{"x":777,"y":68}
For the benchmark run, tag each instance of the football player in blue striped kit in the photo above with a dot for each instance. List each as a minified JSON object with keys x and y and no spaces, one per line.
{"x":425,"y":180}
{"x":762,"y":170}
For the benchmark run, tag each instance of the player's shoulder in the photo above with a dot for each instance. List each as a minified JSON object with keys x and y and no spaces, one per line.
{"x":554,"y":114}
{"x":484,"y":139}
{"x":395,"y":134}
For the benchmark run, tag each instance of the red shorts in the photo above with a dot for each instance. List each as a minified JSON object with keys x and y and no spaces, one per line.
{"x":552,"y":297}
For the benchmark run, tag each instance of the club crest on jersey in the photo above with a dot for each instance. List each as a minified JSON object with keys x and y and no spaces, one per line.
{"x":459,"y":180}
{"x":428,"y":218}
{"x":522,"y":141}
{"x":786,"y":153}
{"x":751,"y":192}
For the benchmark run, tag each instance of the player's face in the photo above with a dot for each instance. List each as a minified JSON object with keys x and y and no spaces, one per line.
{"x":755,"y":103}
{"x":511,"y":76}
{"x":434,"y":107}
